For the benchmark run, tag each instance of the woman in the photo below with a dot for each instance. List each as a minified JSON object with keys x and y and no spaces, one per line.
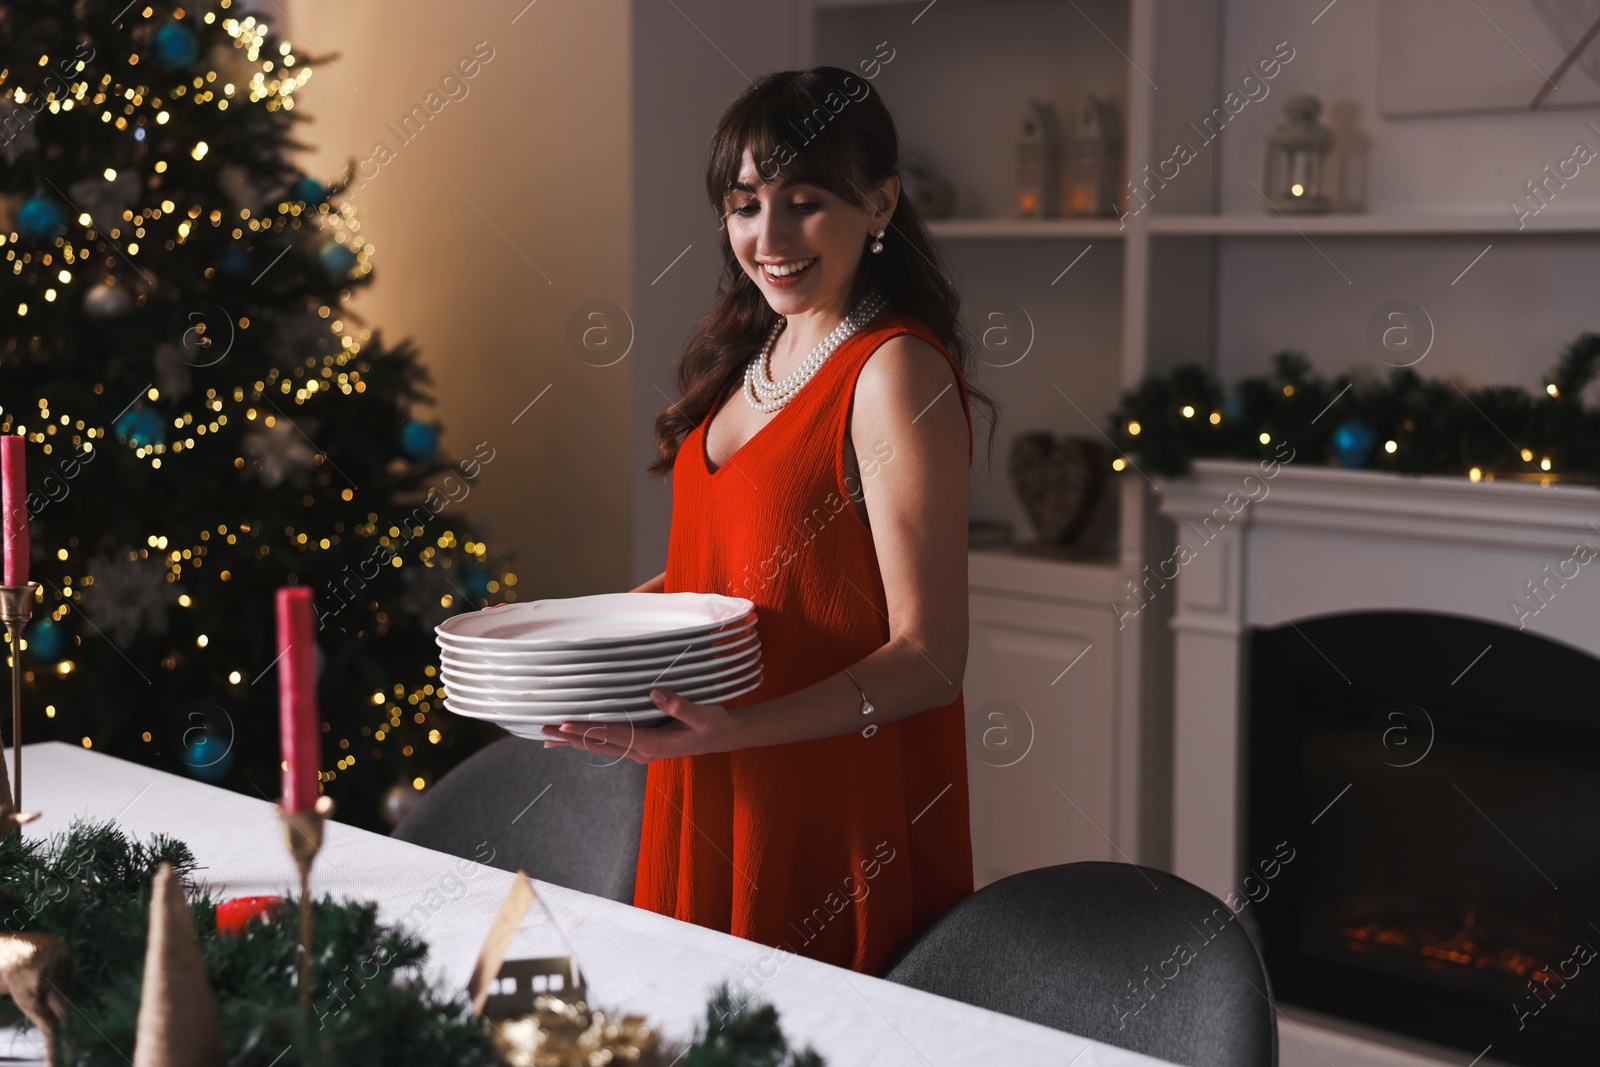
{"x":825,"y":812}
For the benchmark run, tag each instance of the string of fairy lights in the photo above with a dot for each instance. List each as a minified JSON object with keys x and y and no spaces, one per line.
{"x":132,"y":103}
{"x":1403,"y":423}
{"x":258,"y":73}
{"x":1133,"y":428}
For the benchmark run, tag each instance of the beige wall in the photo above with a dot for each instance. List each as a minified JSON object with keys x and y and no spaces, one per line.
{"x":691,"y":58}
{"x":491,"y":226}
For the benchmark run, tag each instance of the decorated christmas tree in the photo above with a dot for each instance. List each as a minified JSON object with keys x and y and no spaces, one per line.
{"x":206,"y":418}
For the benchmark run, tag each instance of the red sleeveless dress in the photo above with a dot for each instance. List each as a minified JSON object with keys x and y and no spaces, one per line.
{"x":838,"y":849}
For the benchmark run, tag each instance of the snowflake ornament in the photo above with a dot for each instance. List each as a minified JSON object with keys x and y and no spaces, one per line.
{"x":128,"y":595}
{"x":282,"y":451}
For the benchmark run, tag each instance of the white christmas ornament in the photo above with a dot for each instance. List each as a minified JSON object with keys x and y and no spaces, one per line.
{"x":107,"y":301}
{"x":173,"y":376}
{"x":105,"y":199}
{"x":127,"y":595}
{"x":280,"y":451}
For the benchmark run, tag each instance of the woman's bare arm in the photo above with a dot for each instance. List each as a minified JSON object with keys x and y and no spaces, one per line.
{"x":655,"y":585}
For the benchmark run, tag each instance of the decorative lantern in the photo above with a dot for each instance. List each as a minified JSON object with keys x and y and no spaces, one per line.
{"x":1297,"y":160}
{"x":1039,"y":163}
{"x":1094,"y":160}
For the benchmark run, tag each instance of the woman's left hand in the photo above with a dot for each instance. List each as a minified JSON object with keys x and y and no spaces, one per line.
{"x":694,"y":729}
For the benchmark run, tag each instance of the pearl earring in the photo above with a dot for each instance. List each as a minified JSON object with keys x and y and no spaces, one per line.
{"x":877,"y":245}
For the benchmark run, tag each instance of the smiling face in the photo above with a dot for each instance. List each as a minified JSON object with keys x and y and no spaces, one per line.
{"x":800,"y":243}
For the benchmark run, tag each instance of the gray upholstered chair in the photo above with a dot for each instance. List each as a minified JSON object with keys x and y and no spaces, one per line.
{"x":1126,"y":955}
{"x":566,"y":817}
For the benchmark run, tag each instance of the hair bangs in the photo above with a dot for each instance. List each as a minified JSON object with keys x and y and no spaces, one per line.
{"x":766,"y":127}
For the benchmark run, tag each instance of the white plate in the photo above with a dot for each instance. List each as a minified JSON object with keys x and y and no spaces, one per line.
{"x":534,"y":731}
{"x":531,"y":726}
{"x":498,"y":706}
{"x":534,"y":722}
{"x":606,"y":683}
{"x":522,"y":708}
{"x":604,"y":620}
{"x":507,"y":653}
{"x":516,"y":667}
{"x":629,"y":694}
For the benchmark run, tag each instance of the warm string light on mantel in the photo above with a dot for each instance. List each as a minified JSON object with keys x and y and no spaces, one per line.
{"x":1543,"y":464}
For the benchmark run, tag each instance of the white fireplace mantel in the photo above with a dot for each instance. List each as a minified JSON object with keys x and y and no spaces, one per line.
{"x":1259,"y":545}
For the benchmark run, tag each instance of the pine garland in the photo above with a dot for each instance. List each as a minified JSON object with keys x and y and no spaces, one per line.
{"x":739,"y":1033}
{"x":1435,"y":426}
{"x":371,"y":1002}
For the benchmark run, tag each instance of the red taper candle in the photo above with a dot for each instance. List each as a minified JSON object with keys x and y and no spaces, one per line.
{"x":14,"y":504}
{"x":297,"y":699}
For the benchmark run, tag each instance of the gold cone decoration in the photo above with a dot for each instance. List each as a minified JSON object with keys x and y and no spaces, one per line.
{"x":33,"y":971}
{"x":177,"y":1017}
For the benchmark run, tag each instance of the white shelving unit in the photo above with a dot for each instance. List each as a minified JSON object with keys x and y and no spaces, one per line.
{"x":1027,"y":229}
{"x":1271,"y":225}
{"x":1180,"y":281}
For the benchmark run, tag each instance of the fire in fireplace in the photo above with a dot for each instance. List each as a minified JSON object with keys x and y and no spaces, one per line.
{"x":1440,"y":777}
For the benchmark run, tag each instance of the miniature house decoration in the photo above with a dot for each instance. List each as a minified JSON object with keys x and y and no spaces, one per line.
{"x":1039,"y":163}
{"x":1094,"y":160}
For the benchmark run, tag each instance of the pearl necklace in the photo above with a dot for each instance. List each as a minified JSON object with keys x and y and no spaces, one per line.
{"x":764,"y":394}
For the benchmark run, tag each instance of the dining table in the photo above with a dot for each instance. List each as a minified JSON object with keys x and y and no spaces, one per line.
{"x":633,"y":960}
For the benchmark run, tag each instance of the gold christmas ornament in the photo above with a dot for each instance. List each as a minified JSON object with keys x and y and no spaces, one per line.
{"x":565,"y":1033}
{"x":177,"y":1017}
{"x":33,"y":972}
{"x":543,"y":1019}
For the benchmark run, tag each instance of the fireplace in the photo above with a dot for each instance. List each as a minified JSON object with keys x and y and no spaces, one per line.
{"x":1445,"y":812}
{"x":1332,"y":626}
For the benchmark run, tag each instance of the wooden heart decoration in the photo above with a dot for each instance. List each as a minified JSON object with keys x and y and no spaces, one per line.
{"x":1058,"y":481}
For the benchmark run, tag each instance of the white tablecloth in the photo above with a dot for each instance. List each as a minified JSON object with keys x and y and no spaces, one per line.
{"x":632,"y":959}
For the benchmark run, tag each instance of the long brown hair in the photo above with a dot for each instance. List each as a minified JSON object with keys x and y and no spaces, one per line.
{"x":825,"y":127}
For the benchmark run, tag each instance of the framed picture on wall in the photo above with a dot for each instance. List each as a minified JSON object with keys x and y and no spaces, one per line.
{"x":1441,"y":57}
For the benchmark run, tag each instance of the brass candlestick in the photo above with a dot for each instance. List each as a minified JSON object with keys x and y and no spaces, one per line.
{"x":16,"y":606}
{"x":302,"y":832}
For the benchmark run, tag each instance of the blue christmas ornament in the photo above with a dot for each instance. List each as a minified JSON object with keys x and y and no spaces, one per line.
{"x":337,"y":260}
{"x":1233,"y":408}
{"x":419,"y":441}
{"x":176,"y":46}
{"x":475,"y":580}
{"x":1353,"y":442}
{"x":234,"y":262}
{"x":41,"y":219}
{"x":308,"y":189}
{"x":207,"y":754}
{"x":141,"y":427}
{"x":48,"y":640}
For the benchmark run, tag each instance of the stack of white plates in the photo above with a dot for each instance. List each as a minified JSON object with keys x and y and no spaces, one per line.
{"x":596,"y":658}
